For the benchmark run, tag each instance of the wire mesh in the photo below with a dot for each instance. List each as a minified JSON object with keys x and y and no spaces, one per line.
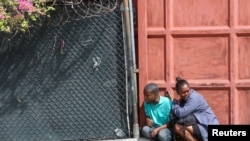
{"x":64,"y":82}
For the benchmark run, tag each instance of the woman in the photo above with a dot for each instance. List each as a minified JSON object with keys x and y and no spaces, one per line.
{"x":189,"y":101}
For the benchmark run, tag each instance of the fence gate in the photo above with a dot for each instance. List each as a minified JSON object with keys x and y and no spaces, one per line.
{"x":65,"y":81}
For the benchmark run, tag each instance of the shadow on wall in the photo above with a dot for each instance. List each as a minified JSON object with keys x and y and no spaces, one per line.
{"x":33,"y":65}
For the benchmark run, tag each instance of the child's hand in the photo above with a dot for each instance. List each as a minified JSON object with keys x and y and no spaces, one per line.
{"x":155,"y":132}
{"x":149,"y":122}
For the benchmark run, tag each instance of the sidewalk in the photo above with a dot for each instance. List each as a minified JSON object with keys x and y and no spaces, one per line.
{"x":129,"y":139}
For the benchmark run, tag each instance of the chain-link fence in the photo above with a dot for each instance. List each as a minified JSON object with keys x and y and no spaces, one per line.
{"x":65,"y":82}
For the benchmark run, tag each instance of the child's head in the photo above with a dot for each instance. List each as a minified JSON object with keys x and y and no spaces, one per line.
{"x":151,"y":91}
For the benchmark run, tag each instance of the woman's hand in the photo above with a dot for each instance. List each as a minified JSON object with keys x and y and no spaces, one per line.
{"x":176,"y":98}
{"x":149,"y":122}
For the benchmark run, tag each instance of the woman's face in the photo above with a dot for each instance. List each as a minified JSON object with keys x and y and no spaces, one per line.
{"x":184,"y":92}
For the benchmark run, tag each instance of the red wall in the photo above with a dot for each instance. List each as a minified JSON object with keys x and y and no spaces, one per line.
{"x":203,"y":41}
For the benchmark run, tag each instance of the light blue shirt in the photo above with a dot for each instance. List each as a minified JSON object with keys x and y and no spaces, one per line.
{"x":160,"y":112}
{"x":197,"y":105}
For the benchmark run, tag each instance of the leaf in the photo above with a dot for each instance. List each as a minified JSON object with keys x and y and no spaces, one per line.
{"x":33,"y":17}
{"x":24,"y":24}
{"x":7,"y":29}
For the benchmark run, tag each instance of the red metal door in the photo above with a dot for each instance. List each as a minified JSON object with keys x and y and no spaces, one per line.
{"x":204,"y":41}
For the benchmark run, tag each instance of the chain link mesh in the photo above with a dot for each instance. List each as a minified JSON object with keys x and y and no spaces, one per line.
{"x":64,"y":82}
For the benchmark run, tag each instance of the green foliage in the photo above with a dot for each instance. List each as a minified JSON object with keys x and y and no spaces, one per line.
{"x":19,"y":15}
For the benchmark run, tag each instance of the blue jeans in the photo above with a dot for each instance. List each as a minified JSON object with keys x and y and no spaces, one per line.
{"x":163,"y":135}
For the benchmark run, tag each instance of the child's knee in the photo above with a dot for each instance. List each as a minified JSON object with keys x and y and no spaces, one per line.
{"x":165,"y":135}
{"x":146,"y":131}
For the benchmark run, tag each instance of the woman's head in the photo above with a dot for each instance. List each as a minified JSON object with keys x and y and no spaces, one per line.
{"x":151,"y":91}
{"x":182,"y":88}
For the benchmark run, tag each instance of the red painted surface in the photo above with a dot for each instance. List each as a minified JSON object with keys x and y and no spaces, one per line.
{"x":204,"y":41}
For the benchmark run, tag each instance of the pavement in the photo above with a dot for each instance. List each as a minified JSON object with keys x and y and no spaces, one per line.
{"x":130,"y":139}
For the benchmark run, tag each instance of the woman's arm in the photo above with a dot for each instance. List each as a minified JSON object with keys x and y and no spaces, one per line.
{"x":190,"y":105}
